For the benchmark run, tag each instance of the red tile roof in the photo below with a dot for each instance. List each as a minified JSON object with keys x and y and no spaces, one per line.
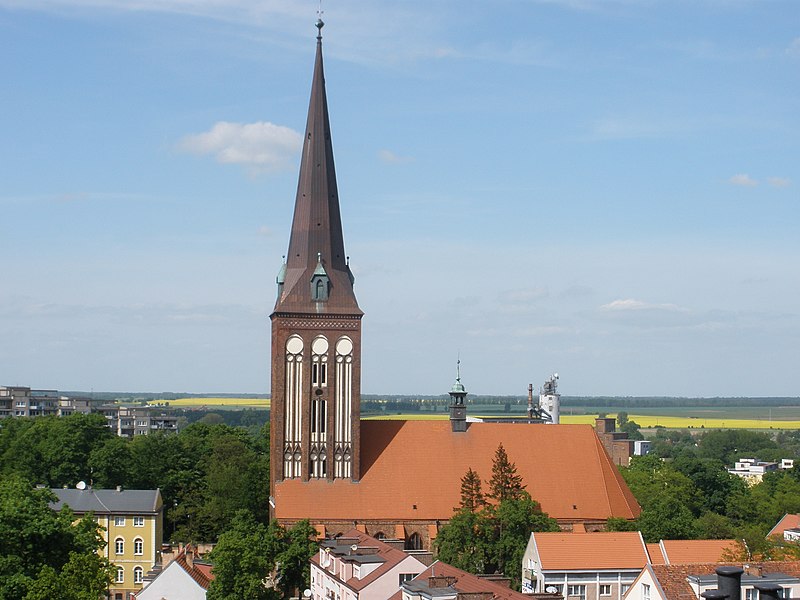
{"x":411,"y":470}
{"x":673,"y":578}
{"x":677,"y":552}
{"x":200,"y":572}
{"x":656,"y":556}
{"x":391,"y":555}
{"x":466,"y":583}
{"x":591,"y":551}
{"x":787,"y":522}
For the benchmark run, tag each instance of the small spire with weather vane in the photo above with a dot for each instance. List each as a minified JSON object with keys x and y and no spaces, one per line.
{"x":320,"y":23}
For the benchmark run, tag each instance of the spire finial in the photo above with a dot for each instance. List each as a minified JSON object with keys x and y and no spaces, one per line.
{"x":458,"y":368}
{"x":319,"y":257}
{"x":320,"y":23}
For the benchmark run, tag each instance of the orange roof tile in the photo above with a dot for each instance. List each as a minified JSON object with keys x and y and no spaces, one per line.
{"x":466,"y":583}
{"x":200,"y":572}
{"x":656,"y":556}
{"x":591,"y":551}
{"x":673,"y":578}
{"x":787,"y":522}
{"x":411,"y":470}
{"x":677,"y":552}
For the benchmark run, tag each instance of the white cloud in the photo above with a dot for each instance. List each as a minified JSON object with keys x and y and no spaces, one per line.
{"x":780,"y":182}
{"x":743,"y":179}
{"x":261,"y":146}
{"x":389,"y":157}
{"x":630,"y":304}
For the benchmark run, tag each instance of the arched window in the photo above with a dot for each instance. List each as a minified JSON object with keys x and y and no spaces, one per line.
{"x":138,"y":546}
{"x":413,"y":542}
{"x":119,"y":546}
{"x":120,"y":578}
{"x":138,"y":575}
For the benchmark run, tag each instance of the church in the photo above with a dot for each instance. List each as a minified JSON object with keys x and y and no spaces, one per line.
{"x":389,"y":479}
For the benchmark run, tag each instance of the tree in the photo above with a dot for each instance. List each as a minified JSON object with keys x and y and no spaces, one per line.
{"x":261,"y":562}
{"x":47,"y":554}
{"x":464,"y":541}
{"x":505,"y":482}
{"x":622,"y":419}
{"x":667,"y":518}
{"x":471,"y":493}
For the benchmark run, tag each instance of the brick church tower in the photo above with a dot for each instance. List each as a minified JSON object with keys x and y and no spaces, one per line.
{"x":316,"y":323}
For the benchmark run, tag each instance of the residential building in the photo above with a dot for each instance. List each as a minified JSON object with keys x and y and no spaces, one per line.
{"x":641,"y":447}
{"x":355,"y":566}
{"x":788,"y":528}
{"x":752,"y":470}
{"x":583,"y":566}
{"x":328,"y":465}
{"x":130,"y":421}
{"x":739,"y":582}
{"x":185,"y":578}
{"x":132,"y":521}
{"x":441,"y":581}
{"x":21,"y":401}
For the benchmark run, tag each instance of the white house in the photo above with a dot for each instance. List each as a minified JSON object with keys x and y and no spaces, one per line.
{"x":356,"y":566}
{"x":185,"y":578}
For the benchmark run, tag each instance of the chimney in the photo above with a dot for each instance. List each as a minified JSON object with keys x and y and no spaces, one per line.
{"x":530,"y":401}
{"x":440,"y":581}
{"x":189,"y":556}
{"x":768,"y":591}
{"x":119,"y":488}
{"x":729,"y":581}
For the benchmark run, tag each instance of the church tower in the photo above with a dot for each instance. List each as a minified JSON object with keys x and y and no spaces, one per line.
{"x":316,"y":324}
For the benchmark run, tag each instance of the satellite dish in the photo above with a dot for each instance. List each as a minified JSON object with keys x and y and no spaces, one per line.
{"x":306,"y":593}
{"x":555,"y":375}
{"x":354,"y":547}
{"x":551,"y":589}
{"x":81,"y":485}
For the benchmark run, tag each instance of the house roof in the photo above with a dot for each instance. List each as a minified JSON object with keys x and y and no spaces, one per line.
{"x":656,"y":556}
{"x":412,"y":470}
{"x":788,"y":521}
{"x":678,"y":552}
{"x":673,"y":579}
{"x":591,"y":551}
{"x":108,"y":501}
{"x":463,"y":582}
{"x":370,"y":550}
{"x":200,"y":572}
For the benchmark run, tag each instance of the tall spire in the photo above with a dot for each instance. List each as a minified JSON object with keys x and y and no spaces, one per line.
{"x":317,"y":236}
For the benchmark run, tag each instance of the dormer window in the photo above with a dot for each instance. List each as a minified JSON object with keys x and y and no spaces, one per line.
{"x":320,"y":282}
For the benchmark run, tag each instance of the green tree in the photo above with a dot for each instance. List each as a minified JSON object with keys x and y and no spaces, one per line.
{"x":505,"y":483}
{"x":471,"y":492}
{"x":261,"y":562}
{"x":667,"y":518}
{"x":47,"y":554}
{"x":464,"y":542}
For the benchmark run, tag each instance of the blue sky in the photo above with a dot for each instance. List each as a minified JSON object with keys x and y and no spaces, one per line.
{"x":607,"y":189}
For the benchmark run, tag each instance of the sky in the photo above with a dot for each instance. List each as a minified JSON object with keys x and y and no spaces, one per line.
{"x":606,"y":189}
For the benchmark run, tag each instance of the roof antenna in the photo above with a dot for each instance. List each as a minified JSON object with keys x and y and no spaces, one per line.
{"x":320,"y":23}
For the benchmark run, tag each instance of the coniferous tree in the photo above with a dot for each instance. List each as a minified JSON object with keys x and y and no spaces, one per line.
{"x":471,"y":492}
{"x":505,"y":483}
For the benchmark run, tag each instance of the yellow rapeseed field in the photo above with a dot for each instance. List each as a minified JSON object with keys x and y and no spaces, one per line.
{"x":644,"y":421}
{"x":215,"y":401}
{"x":691,"y":422}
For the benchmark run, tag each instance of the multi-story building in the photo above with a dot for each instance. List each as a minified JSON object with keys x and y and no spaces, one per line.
{"x":133,"y":528}
{"x":130,"y":421}
{"x":356,"y":566}
{"x":21,"y":401}
{"x":583,"y":566}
